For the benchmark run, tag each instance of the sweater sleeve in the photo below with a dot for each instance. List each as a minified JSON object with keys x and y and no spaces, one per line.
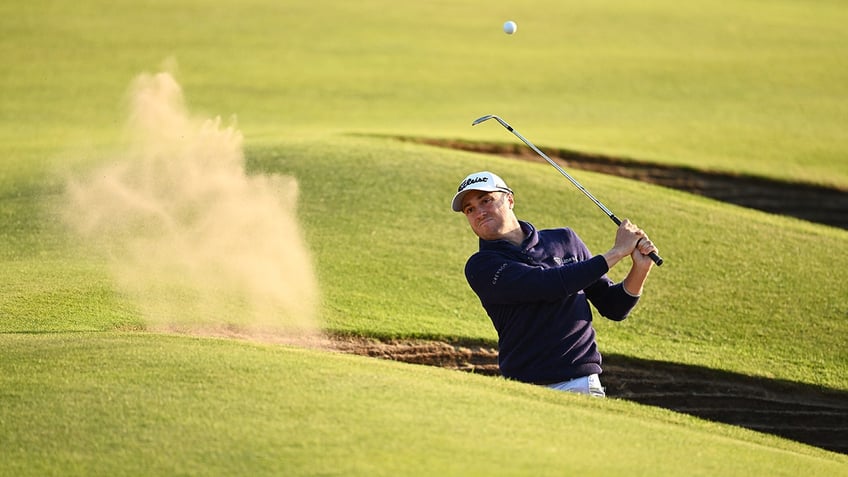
{"x":497,"y":279}
{"x":611,"y":300}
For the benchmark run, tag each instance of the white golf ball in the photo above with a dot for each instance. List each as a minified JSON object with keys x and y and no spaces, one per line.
{"x":510,"y":27}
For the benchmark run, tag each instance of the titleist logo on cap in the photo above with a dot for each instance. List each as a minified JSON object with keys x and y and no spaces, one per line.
{"x":472,"y":180}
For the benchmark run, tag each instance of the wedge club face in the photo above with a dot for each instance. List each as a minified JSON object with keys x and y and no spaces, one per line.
{"x":482,"y":118}
{"x":491,"y":116}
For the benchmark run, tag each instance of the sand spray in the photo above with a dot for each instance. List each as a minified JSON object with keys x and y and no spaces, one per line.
{"x":191,"y":238}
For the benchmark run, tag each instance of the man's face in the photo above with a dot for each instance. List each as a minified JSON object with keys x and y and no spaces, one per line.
{"x":488,"y":213}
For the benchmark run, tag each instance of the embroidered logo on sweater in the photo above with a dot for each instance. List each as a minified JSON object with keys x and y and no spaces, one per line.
{"x":564,"y":260}
{"x":498,"y":274}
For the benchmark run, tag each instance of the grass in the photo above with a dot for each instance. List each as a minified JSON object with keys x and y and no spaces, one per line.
{"x":757,"y":88}
{"x":753,"y":88}
{"x":316,"y":413}
{"x":721,"y":300}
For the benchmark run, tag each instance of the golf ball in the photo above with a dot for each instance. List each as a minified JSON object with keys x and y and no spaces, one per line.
{"x":510,"y":27}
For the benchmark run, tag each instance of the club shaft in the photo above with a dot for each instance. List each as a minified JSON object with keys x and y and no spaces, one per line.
{"x":656,"y":258}
{"x":567,"y":176}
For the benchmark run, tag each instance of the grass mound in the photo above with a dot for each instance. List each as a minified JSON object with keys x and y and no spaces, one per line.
{"x":144,"y":404}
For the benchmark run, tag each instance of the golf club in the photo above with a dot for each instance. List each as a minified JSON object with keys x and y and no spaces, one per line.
{"x":656,"y":258}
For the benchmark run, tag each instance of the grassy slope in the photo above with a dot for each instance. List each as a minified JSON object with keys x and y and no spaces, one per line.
{"x":770,"y":102}
{"x":389,"y":264}
{"x":741,"y":290}
{"x":175,"y":406}
{"x":389,"y":254}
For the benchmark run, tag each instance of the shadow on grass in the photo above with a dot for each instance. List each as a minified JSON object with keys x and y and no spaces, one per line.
{"x":820,"y":204}
{"x":810,"y":414}
{"x":801,"y":412}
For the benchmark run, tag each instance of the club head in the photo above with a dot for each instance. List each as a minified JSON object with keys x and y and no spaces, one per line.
{"x":484,"y":118}
{"x":492,"y":116}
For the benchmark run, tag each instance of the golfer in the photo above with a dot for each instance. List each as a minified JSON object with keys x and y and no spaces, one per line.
{"x":536,"y":286}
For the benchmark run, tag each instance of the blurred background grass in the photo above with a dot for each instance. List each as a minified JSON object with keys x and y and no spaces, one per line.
{"x":756,"y":87}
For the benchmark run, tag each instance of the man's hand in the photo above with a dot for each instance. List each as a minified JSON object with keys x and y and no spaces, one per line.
{"x":626,"y":238}
{"x":640,"y":257}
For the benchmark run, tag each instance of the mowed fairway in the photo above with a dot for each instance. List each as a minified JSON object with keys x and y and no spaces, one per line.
{"x":756,"y":88}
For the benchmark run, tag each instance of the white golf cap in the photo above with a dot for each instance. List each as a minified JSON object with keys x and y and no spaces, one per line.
{"x":484,"y":181}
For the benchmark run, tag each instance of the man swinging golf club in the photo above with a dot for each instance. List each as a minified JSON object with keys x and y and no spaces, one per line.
{"x":536,"y":286}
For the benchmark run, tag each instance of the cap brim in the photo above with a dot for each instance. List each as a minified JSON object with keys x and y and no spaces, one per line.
{"x":456,"y":205}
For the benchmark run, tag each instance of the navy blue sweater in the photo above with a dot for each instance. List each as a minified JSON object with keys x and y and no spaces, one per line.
{"x":537,"y":296}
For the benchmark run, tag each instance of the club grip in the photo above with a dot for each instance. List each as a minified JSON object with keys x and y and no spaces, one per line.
{"x":656,"y":258}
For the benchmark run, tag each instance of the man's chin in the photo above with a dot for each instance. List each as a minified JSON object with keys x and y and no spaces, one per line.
{"x":487,"y":234}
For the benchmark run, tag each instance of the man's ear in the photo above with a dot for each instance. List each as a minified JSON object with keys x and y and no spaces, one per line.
{"x":511,"y":201}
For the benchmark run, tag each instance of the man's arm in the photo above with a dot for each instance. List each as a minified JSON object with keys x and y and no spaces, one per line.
{"x":634,"y":282}
{"x":498,"y":279}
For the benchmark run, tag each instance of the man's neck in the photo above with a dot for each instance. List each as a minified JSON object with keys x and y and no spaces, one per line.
{"x":515,"y":236}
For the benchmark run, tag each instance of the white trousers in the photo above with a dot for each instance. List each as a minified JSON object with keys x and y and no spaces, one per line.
{"x":590,"y":385}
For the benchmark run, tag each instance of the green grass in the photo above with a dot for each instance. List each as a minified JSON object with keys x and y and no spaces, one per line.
{"x":722,"y":300}
{"x":755,"y":88}
{"x":389,"y":255}
{"x":390,"y":259}
{"x":169,"y":405}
